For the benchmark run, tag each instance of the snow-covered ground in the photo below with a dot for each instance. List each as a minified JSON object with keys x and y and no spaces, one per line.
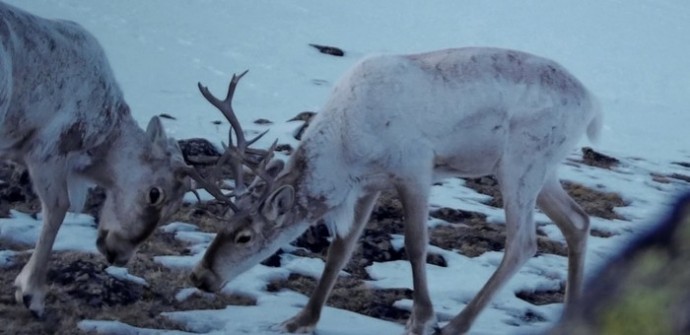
{"x":632,"y":54}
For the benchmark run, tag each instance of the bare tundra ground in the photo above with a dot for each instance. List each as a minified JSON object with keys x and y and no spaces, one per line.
{"x":81,"y":289}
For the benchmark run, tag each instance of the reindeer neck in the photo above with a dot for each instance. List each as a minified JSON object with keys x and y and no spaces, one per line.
{"x":119,"y":153}
{"x":320,"y":181}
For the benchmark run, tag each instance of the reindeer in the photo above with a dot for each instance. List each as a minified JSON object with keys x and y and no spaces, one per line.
{"x":405,"y":121}
{"x":63,"y":117}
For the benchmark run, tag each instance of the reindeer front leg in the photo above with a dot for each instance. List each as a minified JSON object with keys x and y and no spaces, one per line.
{"x":339,"y":254}
{"x":31,"y":281}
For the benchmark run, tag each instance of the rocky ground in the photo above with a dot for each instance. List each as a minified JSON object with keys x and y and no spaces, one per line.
{"x":81,"y":289}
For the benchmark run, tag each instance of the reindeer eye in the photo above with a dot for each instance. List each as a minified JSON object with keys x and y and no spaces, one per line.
{"x":155,"y":196}
{"x":243,"y":237}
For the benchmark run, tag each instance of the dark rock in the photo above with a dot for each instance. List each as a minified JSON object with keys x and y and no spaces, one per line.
{"x":285,"y":148}
{"x":319,"y":82}
{"x":315,"y":239}
{"x":543,"y":297}
{"x":328,"y":50}
{"x":593,"y":158}
{"x":197,"y":147}
{"x":167,"y":116}
{"x":437,"y":260}
{"x":263,"y":121}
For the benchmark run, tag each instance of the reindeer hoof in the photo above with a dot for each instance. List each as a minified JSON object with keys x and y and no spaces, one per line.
{"x":294,"y":326}
{"x":447,"y":330}
{"x":26,"y":299}
{"x":33,"y":305}
{"x":297,"y":329}
{"x":426,"y":328}
{"x":19,"y":297}
{"x":38,"y":314}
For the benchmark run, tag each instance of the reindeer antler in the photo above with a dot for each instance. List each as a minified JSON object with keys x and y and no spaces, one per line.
{"x":235,"y":155}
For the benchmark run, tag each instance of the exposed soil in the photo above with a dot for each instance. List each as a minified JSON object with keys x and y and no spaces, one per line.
{"x":597,"y":159}
{"x":351,"y":294}
{"x":81,"y":289}
{"x":594,"y":202}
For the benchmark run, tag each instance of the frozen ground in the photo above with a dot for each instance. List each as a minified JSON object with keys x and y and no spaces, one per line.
{"x":632,"y":54}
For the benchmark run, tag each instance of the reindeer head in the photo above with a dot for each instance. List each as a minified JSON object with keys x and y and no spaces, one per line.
{"x":262,"y":225}
{"x":265,"y":212}
{"x":147,"y":189}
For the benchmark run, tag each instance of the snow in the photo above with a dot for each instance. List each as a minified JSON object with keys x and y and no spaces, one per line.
{"x":282,"y":306}
{"x":631,"y":55}
{"x":78,"y":231}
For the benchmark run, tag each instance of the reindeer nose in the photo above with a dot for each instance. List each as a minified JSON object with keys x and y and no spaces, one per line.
{"x":204,"y":279}
{"x":111,"y":256}
{"x":100,"y":242}
{"x":200,"y":282}
{"x":114,"y":258}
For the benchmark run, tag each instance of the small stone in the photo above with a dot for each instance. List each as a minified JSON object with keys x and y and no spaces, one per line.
{"x":328,"y":50}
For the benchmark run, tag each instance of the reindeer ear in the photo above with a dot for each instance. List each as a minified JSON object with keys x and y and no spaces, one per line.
{"x":156,"y":133}
{"x":179,"y":164}
{"x":279,"y":202}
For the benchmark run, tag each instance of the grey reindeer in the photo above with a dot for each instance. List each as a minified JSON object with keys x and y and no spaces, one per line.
{"x":402,"y":122}
{"x":63,"y":117}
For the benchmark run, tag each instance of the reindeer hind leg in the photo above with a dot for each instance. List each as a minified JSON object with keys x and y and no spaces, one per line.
{"x":573,"y":222}
{"x":519,"y":198}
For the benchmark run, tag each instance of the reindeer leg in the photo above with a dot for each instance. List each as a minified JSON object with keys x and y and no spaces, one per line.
{"x":519,"y":198}
{"x":31,"y":282}
{"x":339,"y":254}
{"x":414,"y":196}
{"x":574,"y":224}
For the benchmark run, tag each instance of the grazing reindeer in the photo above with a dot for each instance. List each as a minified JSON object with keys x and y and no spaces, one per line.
{"x":404,"y":121}
{"x":63,"y":116}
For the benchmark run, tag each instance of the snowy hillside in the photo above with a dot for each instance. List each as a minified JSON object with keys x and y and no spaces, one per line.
{"x":632,"y":55}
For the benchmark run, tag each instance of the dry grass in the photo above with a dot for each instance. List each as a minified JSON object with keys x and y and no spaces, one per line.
{"x":81,"y":289}
{"x":594,"y":202}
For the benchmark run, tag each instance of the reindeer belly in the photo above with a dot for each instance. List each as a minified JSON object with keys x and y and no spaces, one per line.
{"x":469,"y":159}
{"x":471,"y":146}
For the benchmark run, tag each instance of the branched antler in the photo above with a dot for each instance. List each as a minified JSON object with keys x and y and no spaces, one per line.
{"x":225,"y":107}
{"x":234,"y":155}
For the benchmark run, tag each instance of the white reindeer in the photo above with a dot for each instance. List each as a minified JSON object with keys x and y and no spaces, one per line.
{"x":63,"y":116}
{"x":404,"y":121}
